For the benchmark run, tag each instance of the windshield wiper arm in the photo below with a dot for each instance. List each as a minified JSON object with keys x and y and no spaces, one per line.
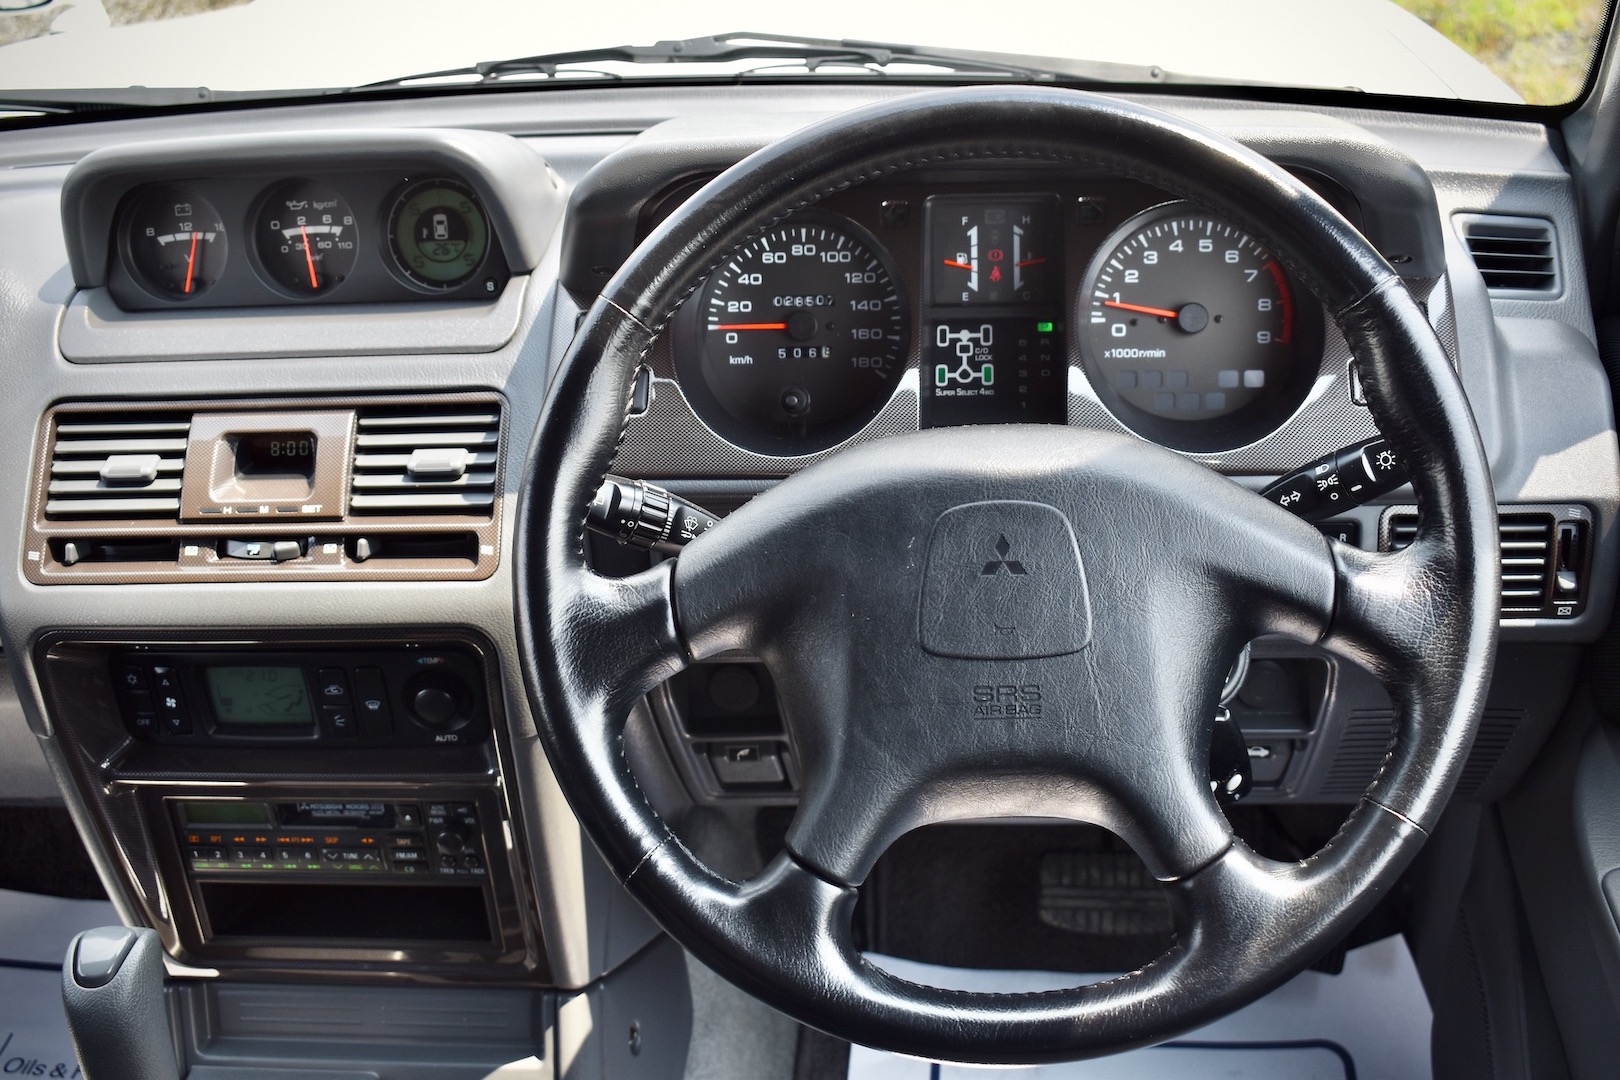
{"x":810,"y":52}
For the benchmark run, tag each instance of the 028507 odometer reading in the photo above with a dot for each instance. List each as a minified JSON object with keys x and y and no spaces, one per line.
{"x":801,"y":334}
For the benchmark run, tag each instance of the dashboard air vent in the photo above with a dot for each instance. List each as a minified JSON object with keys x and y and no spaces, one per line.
{"x":1527,"y":558}
{"x":432,"y":460}
{"x":1516,"y":256}
{"x":117,"y":465}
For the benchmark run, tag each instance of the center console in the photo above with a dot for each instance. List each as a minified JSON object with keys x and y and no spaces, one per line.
{"x":291,"y":804}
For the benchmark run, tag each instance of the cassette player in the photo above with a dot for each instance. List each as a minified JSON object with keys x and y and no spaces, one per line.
{"x":255,"y":696}
{"x":327,"y":839}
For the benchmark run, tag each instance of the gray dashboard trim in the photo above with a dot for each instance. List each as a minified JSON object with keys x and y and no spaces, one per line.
{"x":95,"y":330}
{"x":523,"y":197}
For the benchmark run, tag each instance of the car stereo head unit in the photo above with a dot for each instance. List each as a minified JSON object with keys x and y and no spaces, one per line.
{"x":385,"y":697}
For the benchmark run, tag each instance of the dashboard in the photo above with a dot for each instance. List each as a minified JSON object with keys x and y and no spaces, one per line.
{"x":254,"y":463}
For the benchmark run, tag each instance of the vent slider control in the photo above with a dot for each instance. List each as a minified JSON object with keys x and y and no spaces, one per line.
{"x":130,"y":469}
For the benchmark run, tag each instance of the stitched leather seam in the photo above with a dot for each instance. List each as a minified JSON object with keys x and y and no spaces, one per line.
{"x":1396,"y":814}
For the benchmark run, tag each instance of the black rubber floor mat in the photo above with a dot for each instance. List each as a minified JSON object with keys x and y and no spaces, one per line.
{"x":1103,"y":893}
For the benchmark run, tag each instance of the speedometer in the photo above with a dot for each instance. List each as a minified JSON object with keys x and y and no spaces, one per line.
{"x":1192,"y":330}
{"x":800,"y":337}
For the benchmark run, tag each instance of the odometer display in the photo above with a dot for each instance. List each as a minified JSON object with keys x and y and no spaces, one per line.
{"x":800,"y":336}
{"x":1184,"y":318}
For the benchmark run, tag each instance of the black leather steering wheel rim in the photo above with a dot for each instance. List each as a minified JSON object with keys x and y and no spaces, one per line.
{"x":1424,"y":621}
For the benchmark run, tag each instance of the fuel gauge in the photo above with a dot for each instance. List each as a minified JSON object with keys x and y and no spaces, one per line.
{"x":175,"y":242}
{"x":994,"y":251}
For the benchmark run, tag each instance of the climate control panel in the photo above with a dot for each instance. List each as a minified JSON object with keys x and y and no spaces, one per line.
{"x":403,"y":696}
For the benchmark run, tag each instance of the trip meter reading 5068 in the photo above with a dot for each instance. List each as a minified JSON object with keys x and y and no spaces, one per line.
{"x":801,"y":333}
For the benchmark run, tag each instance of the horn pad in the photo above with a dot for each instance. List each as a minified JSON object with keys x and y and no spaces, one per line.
{"x":1003,"y":581}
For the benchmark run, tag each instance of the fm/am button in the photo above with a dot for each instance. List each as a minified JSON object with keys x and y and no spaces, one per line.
{"x":1003,"y":581}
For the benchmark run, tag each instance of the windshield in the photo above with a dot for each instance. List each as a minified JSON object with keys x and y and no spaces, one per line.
{"x":1510,"y":51}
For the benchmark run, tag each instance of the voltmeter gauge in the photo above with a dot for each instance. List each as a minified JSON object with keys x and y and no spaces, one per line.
{"x":438,"y":234}
{"x":174,"y":242}
{"x":306,"y":238}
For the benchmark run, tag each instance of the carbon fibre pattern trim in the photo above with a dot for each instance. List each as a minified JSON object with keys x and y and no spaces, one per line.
{"x":670,"y":441}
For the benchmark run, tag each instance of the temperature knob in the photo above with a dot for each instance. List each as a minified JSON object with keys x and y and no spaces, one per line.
{"x":439,"y":700}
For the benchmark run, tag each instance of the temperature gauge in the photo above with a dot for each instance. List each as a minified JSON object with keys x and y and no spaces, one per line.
{"x":994,"y":251}
{"x":306,"y":238}
{"x":175,"y":242}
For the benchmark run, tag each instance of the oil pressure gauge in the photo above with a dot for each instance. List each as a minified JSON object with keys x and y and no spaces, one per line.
{"x":305,"y":237}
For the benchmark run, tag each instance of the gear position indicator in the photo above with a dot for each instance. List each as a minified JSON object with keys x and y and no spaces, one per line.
{"x":1004,"y":370}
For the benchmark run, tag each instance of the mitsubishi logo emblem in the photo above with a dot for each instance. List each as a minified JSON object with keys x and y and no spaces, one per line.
{"x":1012,"y":566}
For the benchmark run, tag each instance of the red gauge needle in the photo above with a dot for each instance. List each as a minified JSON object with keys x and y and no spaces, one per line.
{"x":750,"y":326}
{"x":1163,"y":313}
{"x":1031,"y":262}
{"x":191,"y":260}
{"x":959,"y":265}
{"x":309,"y":257}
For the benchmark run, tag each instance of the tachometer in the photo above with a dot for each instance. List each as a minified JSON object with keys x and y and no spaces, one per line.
{"x":800,"y":336}
{"x":1185,"y":318}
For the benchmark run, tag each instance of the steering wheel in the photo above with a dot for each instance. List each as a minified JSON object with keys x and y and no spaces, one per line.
{"x":923,"y":685}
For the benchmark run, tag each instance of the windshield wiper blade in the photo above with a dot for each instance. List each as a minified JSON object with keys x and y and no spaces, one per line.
{"x":809,"y":52}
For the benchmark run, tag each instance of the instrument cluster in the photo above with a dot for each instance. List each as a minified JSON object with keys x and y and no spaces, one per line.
{"x":1184,"y":327}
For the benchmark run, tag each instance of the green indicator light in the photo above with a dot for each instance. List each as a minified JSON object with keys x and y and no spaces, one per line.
{"x":1044,"y":327}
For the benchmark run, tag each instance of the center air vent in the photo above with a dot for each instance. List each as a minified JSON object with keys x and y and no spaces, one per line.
{"x":1544,"y":561}
{"x":1517,"y":257}
{"x":116,"y":466}
{"x":425,"y":461}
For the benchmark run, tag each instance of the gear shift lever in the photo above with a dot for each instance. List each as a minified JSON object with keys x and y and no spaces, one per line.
{"x":112,"y":988}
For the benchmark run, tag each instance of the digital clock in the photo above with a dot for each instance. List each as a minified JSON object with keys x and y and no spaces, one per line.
{"x":276,"y":452}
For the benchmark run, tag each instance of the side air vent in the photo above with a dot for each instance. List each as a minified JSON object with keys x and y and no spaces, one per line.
{"x":1517,"y":257}
{"x":1544,"y":562}
{"x":426,"y":461}
{"x":117,"y":466}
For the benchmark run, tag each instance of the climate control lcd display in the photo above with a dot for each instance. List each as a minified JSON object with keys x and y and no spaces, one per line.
{"x":259,"y":696}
